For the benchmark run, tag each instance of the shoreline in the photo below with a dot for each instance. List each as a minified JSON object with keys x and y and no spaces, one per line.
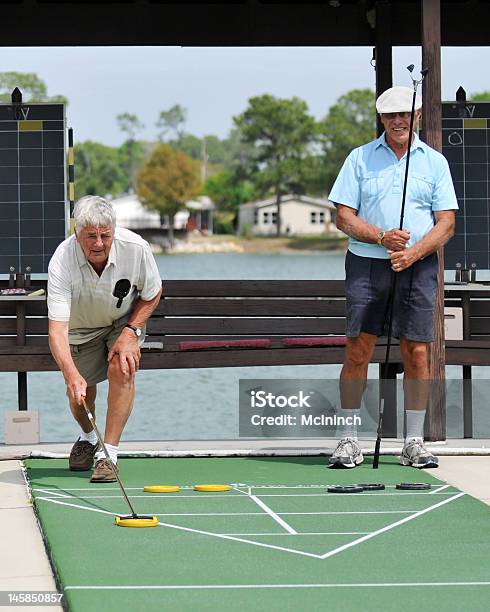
{"x":227,"y":243}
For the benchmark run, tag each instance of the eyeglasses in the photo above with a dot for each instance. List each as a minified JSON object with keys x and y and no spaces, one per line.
{"x":402,"y":115}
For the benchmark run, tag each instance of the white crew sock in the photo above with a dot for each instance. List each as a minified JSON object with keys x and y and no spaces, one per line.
{"x":415,"y":424}
{"x":112,"y":450}
{"x":91,"y":437}
{"x":349,"y":430}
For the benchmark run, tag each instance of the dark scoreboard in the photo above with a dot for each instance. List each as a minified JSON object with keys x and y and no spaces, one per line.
{"x":33,"y":209}
{"x":466,"y":146}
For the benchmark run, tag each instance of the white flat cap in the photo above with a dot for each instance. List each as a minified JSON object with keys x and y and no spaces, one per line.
{"x":397,"y":100}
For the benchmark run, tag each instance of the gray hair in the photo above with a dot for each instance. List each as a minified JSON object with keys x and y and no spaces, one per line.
{"x":94,"y":211}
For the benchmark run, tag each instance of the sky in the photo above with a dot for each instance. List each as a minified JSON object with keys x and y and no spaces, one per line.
{"x":214,"y":84}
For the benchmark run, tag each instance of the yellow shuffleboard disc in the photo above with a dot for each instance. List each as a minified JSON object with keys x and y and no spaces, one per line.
{"x":122,"y":521}
{"x":211,"y":488}
{"x":162,"y":489}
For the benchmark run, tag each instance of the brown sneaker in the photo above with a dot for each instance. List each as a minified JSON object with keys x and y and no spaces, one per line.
{"x":104,"y":471}
{"x":82,"y":456}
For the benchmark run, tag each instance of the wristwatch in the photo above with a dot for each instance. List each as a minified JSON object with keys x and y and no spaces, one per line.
{"x":380,"y":237}
{"x":136,"y":330}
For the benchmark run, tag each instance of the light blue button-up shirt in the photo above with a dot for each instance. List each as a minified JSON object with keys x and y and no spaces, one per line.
{"x":371,"y":182}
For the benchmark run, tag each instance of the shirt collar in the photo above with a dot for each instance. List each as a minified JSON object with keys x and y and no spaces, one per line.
{"x":416,"y":144}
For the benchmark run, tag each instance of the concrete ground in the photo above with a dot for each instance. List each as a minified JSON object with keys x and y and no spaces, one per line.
{"x":25,"y":565}
{"x":470,"y":474}
{"x":463,"y":463}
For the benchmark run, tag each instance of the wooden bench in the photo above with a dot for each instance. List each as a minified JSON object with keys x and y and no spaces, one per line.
{"x":203,"y":324}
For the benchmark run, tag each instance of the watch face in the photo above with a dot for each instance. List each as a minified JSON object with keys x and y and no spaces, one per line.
{"x":136,"y":330}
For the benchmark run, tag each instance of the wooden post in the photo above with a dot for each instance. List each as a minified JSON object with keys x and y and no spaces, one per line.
{"x":21,"y":340}
{"x":435,"y":424}
{"x":467,"y":383}
{"x":390,"y":426}
{"x":383,"y":54}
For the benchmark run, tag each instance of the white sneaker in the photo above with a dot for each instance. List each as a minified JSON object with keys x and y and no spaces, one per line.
{"x":347,"y":454}
{"x":415,"y":454}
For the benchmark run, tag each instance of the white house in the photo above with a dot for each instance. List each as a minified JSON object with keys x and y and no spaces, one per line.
{"x":299,"y":215}
{"x":131,"y":214}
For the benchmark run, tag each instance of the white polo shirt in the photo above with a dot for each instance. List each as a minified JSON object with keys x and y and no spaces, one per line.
{"x":76,"y":293}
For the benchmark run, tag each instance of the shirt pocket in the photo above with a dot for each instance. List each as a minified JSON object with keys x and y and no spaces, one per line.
{"x":420,"y":188}
{"x":372,"y":187}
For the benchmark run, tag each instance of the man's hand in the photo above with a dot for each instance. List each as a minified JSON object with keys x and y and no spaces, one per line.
{"x":127,"y":349}
{"x":76,"y":387}
{"x":401,"y":260}
{"x":396,"y":240}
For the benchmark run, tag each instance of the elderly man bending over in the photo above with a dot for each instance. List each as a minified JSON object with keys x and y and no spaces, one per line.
{"x":103,"y":285}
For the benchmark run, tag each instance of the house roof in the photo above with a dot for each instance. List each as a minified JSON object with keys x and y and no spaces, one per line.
{"x":130,"y":211}
{"x":201,"y":203}
{"x":302,"y":199}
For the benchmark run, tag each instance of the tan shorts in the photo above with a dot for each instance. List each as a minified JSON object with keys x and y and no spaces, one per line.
{"x":91,"y":357}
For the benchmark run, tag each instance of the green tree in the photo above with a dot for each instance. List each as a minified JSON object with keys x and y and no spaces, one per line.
{"x":481,"y":96}
{"x":98,"y":170}
{"x":32,"y":87}
{"x":130,"y":125}
{"x":167,"y":181}
{"x":349,"y":123}
{"x":172,"y":121}
{"x":131,"y":157}
{"x":282,"y":132}
{"x":188,"y":144}
{"x":228,"y":192}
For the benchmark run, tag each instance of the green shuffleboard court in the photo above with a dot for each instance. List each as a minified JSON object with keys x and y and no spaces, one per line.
{"x":276,"y":541}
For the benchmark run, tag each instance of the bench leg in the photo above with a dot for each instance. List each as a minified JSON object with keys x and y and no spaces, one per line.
{"x":22,"y":390}
{"x":389,"y":415}
{"x":467,"y":403}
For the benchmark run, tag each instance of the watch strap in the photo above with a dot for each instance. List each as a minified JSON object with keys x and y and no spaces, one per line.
{"x":135,"y":329}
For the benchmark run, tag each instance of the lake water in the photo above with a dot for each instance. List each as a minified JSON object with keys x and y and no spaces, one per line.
{"x":203,"y":403}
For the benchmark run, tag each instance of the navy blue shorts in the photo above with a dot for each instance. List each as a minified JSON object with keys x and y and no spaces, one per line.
{"x":368,"y":287}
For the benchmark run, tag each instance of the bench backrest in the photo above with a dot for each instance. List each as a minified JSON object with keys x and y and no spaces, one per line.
{"x":209,"y":309}
{"x":224,"y":308}
{"x":249,"y":308}
{"x":478,"y":321}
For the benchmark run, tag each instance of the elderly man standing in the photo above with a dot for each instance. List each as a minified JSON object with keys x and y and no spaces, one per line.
{"x":368,"y":195}
{"x":103,"y":285}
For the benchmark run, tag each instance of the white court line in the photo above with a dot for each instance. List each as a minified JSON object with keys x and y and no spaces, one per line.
{"x":236,"y":539}
{"x":260,"y":544}
{"x":180,"y":528}
{"x":303,"y":533}
{"x":63,"y":503}
{"x":262,"y":514}
{"x":388,"y":527}
{"x":217,"y":514}
{"x":273,"y":515}
{"x":182,"y":587}
{"x":359,"y":585}
{"x":55,"y":493}
{"x":438,"y":490}
{"x":176,"y":496}
{"x":295,"y":487}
